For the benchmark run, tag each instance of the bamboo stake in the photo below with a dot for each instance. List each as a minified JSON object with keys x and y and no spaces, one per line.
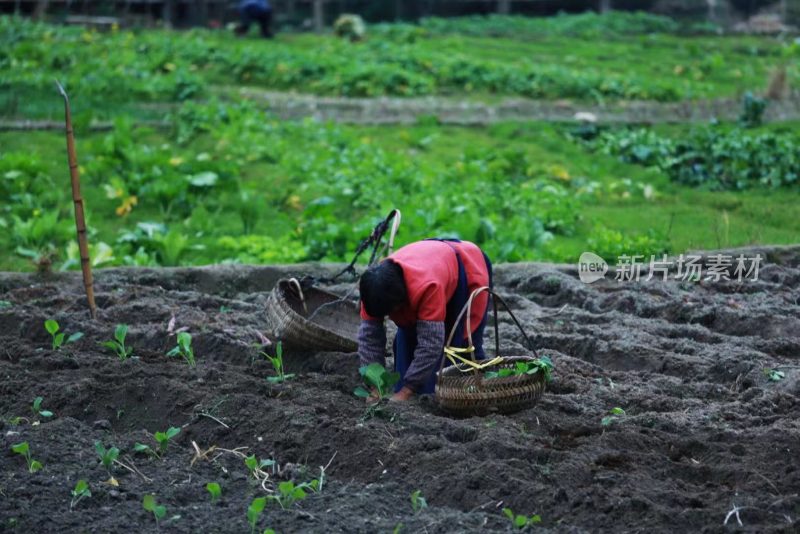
{"x":80,"y":220}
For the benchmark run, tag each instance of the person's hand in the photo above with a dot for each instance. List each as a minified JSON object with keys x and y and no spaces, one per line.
{"x":404,"y":394}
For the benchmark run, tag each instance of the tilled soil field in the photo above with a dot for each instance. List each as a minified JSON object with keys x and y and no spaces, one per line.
{"x":707,"y":442}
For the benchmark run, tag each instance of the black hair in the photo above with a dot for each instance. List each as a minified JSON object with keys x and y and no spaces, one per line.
{"x":382,"y":288}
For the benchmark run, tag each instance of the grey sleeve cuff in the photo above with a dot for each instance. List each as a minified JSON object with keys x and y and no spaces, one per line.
{"x":430,"y":346}
{"x":371,"y":342}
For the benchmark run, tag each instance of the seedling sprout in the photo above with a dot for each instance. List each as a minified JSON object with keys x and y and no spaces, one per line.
{"x":254,"y":511}
{"x":277,"y":365}
{"x":378,"y":379}
{"x":418,"y":502}
{"x":162,"y":438}
{"x":774,"y":375}
{"x":52,"y":327}
{"x":521,"y":521}
{"x":615,"y":414}
{"x":36,"y":408}
{"x":215,"y":490}
{"x":118,"y":343}
{"x":256,"y":467}
{"x":80,"y":492}
{"x":25,"y":450}
{"x":149,"y":503}
{"x":289,"y":493}
{"x":184,"y":348}
{"x":107,"y":456}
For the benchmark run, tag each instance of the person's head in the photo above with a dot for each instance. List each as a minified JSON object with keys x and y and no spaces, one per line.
{"x":382,"y":288}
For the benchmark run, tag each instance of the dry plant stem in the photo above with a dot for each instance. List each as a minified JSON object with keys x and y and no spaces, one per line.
{"x":214,"y":419}
{"x":77,"y":199}
{"x":133,"y":470}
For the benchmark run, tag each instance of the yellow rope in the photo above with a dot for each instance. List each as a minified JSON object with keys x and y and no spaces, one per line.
{"x":454,"y":353}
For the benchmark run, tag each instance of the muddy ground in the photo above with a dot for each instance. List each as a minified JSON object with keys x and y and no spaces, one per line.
{"x":705,"y":430}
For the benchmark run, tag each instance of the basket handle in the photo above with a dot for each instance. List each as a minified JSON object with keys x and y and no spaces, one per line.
{"x":467,"y":309}
{"x":296,"y":284}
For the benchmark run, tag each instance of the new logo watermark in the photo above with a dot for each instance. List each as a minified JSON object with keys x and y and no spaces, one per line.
{"x":591,"y":267}
{"x":687,"y":267}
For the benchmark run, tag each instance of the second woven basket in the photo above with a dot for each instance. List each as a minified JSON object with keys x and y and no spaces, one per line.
{"x":503,"y":384}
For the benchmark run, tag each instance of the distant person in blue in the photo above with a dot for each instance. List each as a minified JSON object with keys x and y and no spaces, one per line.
{"x":255,"y":11}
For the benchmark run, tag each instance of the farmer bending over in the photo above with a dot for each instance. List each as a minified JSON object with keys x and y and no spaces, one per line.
{"x":255,"y":11}
{"x":422,"y":287}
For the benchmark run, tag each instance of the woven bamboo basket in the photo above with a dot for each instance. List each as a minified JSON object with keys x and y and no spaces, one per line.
{"x":462,"y":389}
{"x":312,"y":319}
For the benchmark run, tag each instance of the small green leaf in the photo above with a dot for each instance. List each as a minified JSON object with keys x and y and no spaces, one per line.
{"x":140,"y":447}
{"x":508,"y":513}
{"x":607,"y":420}
{"x":266,"y":463}
{"x":251,"y":462}
{"x":391,"y":379}
{"x":214,"y":489}
{"x":149,"y":503}
{"x":373,"y":375}
{"x":160,"y":511}
{"x":535,"y":519}
{"x":361,"y":392}
{"x":172,"y":432}
{"x":58,"y":340}
{"x":46,"y":413}
{"x":82,"y":487}
{"x":21,"y":448}
{"x":185,"y":340}
{"x":35,"y":466}
{"x":51,"y":326}
{"x":617,"y":411}
{"x":74,"y":337}
{"x":255,"y":509}
{"x":37,"y":404}
{"x":110,"y":345}
{"x":98,"y":447}
{"x":120,"y":332}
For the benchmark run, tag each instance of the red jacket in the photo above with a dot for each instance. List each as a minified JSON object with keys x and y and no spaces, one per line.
{"x":430,"y":271}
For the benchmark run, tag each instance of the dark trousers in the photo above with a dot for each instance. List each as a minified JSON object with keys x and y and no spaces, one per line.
{"x":405,"y":342}
{"x":251,"y":14}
